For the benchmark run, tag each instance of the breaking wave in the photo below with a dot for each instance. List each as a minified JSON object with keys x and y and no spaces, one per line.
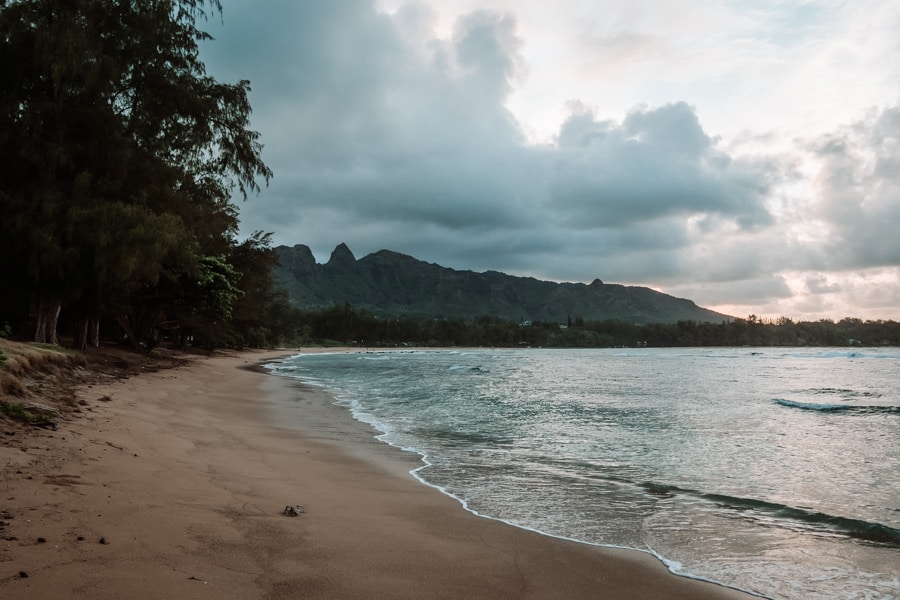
{"x":832,"y":524}
{"x":842,"y":408}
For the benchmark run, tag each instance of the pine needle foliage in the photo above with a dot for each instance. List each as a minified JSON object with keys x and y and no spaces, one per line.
{"x":119,"y":158}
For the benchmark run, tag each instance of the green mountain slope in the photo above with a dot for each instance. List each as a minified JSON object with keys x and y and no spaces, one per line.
{"x":392,"y":284}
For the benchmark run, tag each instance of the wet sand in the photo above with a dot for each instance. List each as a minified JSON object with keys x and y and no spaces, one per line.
{"x":174,"y":483}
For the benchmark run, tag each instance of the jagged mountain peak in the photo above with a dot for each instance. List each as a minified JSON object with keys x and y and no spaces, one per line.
{"x":341,"y":256}
{"x":392,"y":284}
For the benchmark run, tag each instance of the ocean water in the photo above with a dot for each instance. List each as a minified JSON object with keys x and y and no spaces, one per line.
{"x":776,"y":471}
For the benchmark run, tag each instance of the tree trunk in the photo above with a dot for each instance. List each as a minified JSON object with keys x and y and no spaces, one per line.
{"x":125,"y":324}
{"x":87,"y":333}
{"x":79,"y":341}
{"x":47,"y":316}
{"x":93,"y":333}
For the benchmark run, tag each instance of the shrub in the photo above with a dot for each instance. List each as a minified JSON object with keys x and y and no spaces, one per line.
{"x":18,"y":412}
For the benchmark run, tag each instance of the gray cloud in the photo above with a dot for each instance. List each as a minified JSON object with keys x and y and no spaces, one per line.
{"x":382,"y":135}
{"x":655,"y":163}
{"x":858,"y":192}
{"x":818,"y":284}
{"x":758,"y":291}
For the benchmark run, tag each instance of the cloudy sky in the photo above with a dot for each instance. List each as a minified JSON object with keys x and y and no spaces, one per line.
{"x":745,"y":155}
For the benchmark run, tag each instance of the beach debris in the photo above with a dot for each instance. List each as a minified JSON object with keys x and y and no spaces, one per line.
{"x":292,"y":511}
{"x":41,"y":540}
{"x":197,"y":579}
{"x":41,"y":415}
{"x":23,"y":575}
{"x":42,"y":409}
{"x":103,"y":541}
{"x":37,"y":415}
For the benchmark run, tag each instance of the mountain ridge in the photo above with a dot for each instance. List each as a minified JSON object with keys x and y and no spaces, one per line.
{"x":392,"y":284}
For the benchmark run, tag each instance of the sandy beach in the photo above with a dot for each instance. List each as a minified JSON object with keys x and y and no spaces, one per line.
{"x":172,"y":485}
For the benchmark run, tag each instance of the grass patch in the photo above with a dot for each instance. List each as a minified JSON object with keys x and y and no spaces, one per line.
{"x":23,"y":361}
{"x":19,"y":358}
{"x":10,"y":385}
{"x":18,"y":412}
{"x":52,"y":348}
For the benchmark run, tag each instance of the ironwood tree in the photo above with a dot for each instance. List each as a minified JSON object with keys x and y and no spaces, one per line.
{"x":119,"y":157}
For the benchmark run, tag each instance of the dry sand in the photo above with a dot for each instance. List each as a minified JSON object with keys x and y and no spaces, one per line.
{"x":175,"y":485}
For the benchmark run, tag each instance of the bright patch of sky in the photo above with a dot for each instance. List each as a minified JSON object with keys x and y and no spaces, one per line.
{"x":743,"y":155}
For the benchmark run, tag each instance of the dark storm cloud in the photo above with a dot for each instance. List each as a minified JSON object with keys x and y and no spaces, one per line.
{"x":364,"y":125}
{"x":382,"y":135}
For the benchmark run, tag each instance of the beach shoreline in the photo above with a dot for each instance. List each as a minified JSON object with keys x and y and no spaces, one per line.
{"x":174,"y":483}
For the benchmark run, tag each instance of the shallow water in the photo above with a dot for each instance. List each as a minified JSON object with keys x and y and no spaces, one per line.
{"x":771,"y":470}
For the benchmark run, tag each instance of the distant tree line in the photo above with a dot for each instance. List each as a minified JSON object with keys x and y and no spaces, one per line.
{"x":342,"y":324}
{"x":119,"y":157}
